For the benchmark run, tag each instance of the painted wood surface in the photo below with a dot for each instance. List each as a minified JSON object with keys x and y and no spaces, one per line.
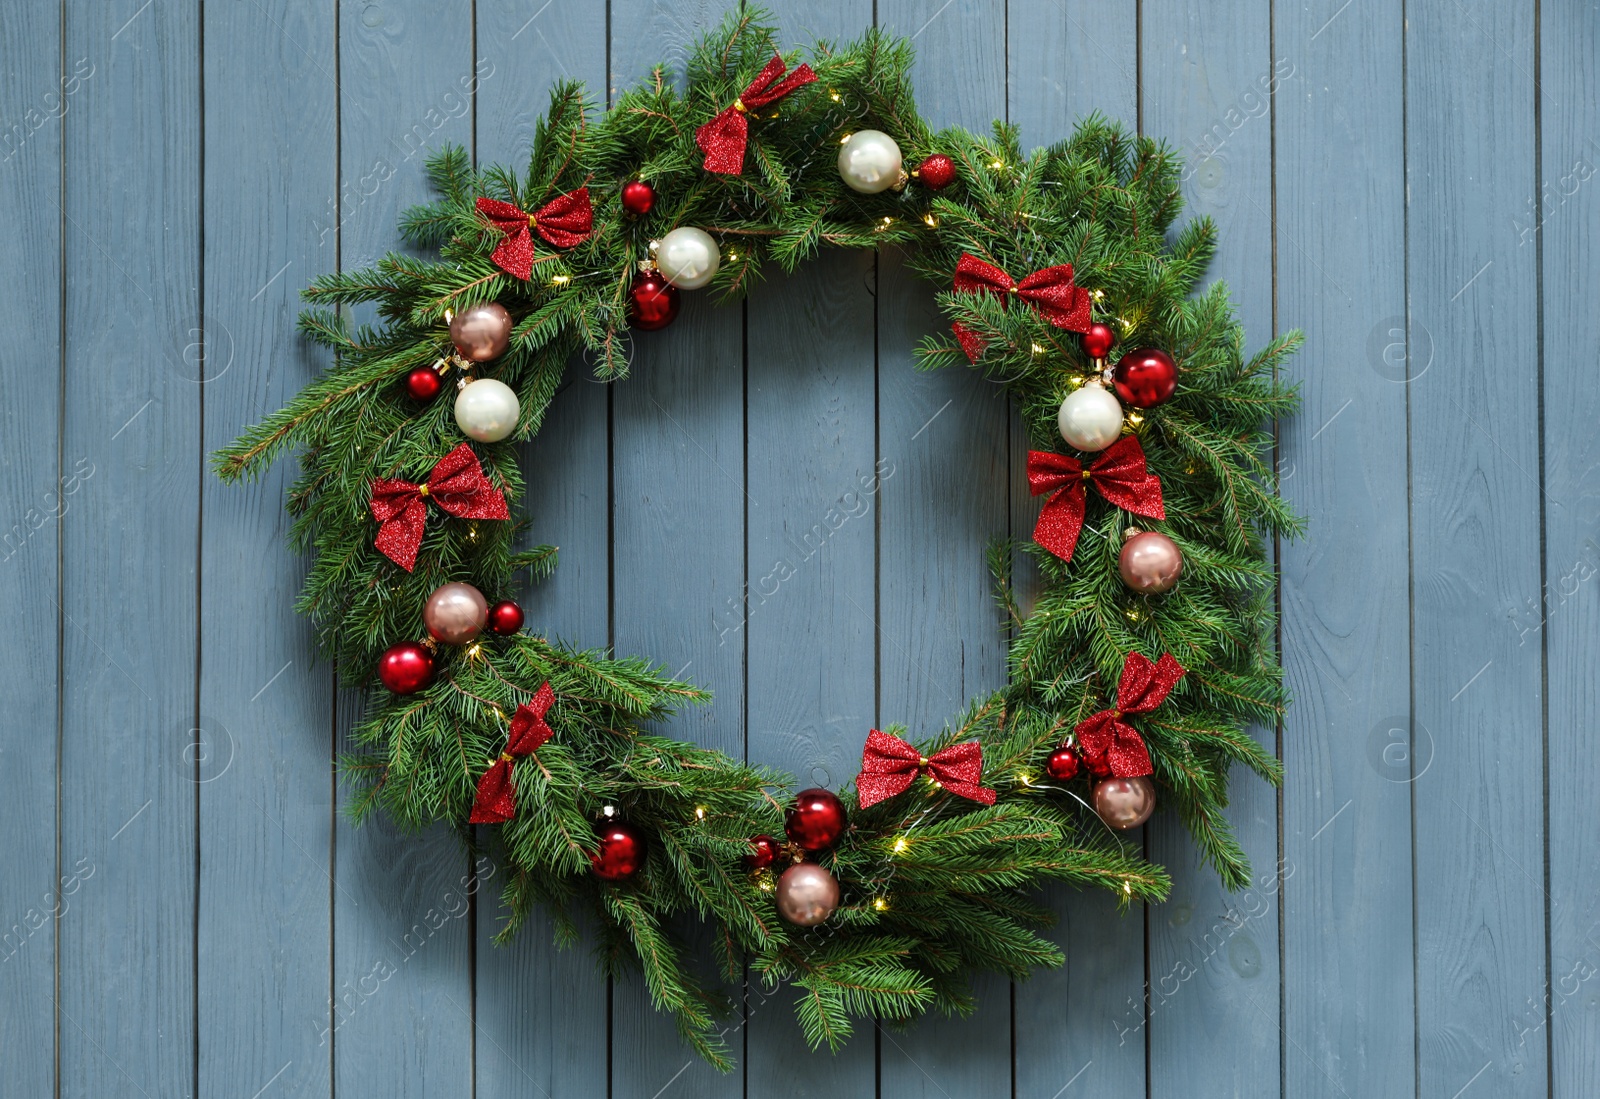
{"x":778,"y":506}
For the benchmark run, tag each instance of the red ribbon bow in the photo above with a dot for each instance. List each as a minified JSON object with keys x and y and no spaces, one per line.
{"x":457,"y":485}
{"x":497,"y":797}
{"x":889,"y":765}
{"x":1119,"y":474}
{"x":1111,"y":746}
{"x":1051,"y":291}
{"x":565,"y":221}
{"x":723,"y":139}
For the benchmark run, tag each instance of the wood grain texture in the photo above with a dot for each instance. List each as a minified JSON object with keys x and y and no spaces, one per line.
{"x":1565,"y":615}
{"x":812,"y":546}
{"x":261,"y":746}
{"x":541,"y":1012}
{"x":1347,"y":746}
{"x":132,"y":329}
{"x":945,"y":435}
{"x":678,"y":525}
{"x":35,"y":493}
{"x":1213,"y":964}
{"x":401,"y":979}
{"x":219,"y":933}
{"x":1475,"y":509}
{"x":1081,"y":1027}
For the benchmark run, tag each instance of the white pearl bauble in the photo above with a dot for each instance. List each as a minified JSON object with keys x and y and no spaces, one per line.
{"x":486,"y":410}
{"x":1090,"y":419}
{"x":870,"y":162}
{"x":687,"y":257}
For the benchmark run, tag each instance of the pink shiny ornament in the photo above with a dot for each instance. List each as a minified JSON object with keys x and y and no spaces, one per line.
{"x":1124,"y":803}
{"x":455,"y":613}
{"x":1150,"y":562}
{"x":481,"y":332}
{"x":807,"y":894}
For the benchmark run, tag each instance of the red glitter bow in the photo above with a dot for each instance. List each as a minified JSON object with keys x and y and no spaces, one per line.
{"x":457,"y":485}
{"x":723,"y":139}
{"x":889,"y":765}
{"x":497,"y":798}
{"x":565,"y":221}
{"x":1051,"y":291}
{"x":1111,"y":746}
{"x":1119,"y":474}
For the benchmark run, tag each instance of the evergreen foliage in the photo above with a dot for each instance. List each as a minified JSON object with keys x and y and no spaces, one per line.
{"x":935,"y":887}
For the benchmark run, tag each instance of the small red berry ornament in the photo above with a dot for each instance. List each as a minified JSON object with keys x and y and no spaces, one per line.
{"x":637,"y":197}
{"x":817,"y":820}
{"x":621,"y":853}
{"x":505,"y":618}
{"x":652,"y":301}
{"x":406,"y":668}
{"x":1145,"y":377}
{"x":1063,"y":764}
{"x":937,"y":172}
{"x":424,"y":383}
{"x":763,"y":853}
{"x":1098,"y":341}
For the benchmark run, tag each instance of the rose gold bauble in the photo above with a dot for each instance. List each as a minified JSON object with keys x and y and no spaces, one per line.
{"x":807,"y":894}
{"x":1125,"y":803}
{"x":1150,"y":562}
{"x":481,"y":332}
{"x":455,"y":613}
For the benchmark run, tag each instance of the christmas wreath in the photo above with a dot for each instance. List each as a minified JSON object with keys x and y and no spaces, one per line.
{"x":1125,"y":682}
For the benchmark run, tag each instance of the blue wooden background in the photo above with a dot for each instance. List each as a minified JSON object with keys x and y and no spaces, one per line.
{"x":185,"y":912}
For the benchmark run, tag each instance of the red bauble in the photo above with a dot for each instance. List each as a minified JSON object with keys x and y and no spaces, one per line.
{"x":505,"y":618}
{"x":638,"y":197}
{"x":406,"y":668}
{"x":621,"y":853}
{"x":1145,"y":377}
{"x":1063,"y":764}
{"x":763,"y":853}
{"x":817,"y":820}
{"x":937,"y":172}
{"x":424,"y":383}
{"x":1098,"y":341}
{"x":652,"y":301}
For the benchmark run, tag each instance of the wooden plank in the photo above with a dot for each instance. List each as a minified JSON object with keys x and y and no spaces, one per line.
{"x":1475,"y":512}
{"x":1213,"y":956}
{"x":38,"y":92}
{"x":402,"y":1011}
{"x":128,"y":556}
{"x":946,"y":436}
{"x":1065,"y":61}
{"x":260,"y":745}
{"x":812,"y":549}
{"x":1346,"y":621}
{"x":1564,"y":617}
{"x":678,"y":515}
{"x":542,"y":1011}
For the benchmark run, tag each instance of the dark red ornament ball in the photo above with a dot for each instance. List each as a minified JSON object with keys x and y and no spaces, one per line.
{"x":621,"y":853}
{"x":817,"y":820}
{"x":1145,"y":377}
{"x":406,"y":668}
{"x":1098,"y":341}
{"x":424,"y":383}
{"x":937,"y":172}
{"x":637,"y":197}
{"x":652,"y":301}
{"x":763,"y":853}
{"x":505,"y":618}
{"x":1063,"y":764}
